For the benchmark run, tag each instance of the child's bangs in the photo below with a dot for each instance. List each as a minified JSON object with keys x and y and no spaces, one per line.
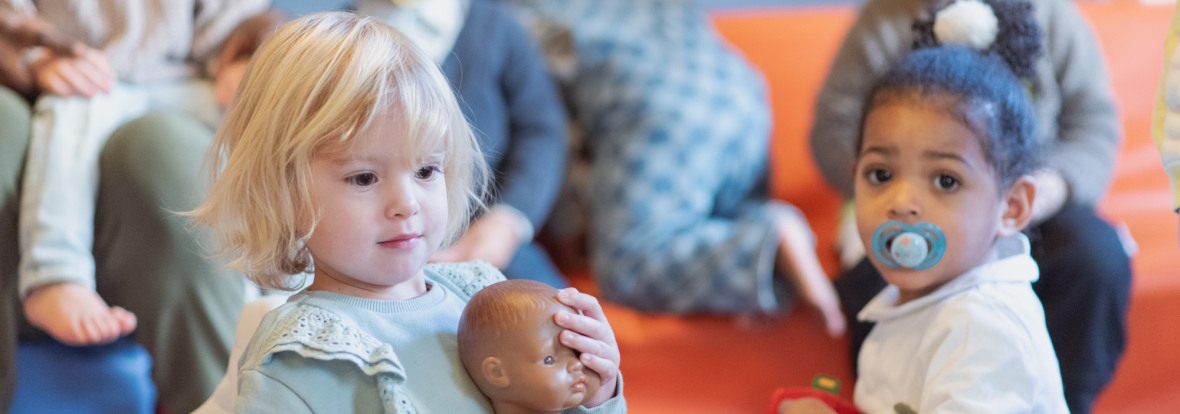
{"x":429,"y":118}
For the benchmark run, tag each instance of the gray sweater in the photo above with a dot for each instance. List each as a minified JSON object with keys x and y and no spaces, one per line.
{"x":1076,"y":112}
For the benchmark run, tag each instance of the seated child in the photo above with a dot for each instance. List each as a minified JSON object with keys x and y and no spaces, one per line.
{"x":942,"y":193}
{"x":346,"y":155}
{"x":510,"y":344}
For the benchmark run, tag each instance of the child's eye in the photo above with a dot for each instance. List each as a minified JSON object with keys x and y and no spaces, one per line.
{"x":946,"y":182}
{"x":428,"y":172}
{"x":878,"y":175}
{"x":549,"y":360}
{"x":363,"y":179}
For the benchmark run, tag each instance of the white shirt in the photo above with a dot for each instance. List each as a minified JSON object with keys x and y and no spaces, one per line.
{"x":978,"y":344}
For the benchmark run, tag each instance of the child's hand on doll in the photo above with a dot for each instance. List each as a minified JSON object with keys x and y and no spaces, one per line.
{"x":76,"y":315}
{"x":84,"y":73}
{"x":590,"y":334}
{"x":804,"y":406}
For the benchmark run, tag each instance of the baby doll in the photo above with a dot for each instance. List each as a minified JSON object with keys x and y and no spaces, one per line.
{"x":509,"y":343}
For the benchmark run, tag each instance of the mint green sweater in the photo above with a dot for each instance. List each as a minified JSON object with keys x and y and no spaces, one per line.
{"x":329,"y":353}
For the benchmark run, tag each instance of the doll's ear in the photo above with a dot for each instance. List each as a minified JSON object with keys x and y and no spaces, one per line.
{"x":494,"y":372}
{"x":1018,"y":206}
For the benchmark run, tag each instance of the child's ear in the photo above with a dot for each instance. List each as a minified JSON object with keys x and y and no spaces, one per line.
{"x":493,"y":371}
{"x":1018,"y":206}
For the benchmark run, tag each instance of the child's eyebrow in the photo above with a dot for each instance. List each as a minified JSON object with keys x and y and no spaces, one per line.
{"x":954,"y":156}
{"x":951,"y":156}
{"x":345,"y":160}
{"x":878,"y":149}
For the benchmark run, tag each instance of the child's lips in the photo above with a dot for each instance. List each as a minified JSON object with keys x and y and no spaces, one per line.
{"x":401,"y":241}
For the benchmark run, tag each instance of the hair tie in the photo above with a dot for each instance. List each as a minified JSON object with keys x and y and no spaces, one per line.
{"x":970,"y":23}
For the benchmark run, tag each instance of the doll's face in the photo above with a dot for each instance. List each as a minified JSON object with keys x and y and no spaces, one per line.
{"x":543,"y":374}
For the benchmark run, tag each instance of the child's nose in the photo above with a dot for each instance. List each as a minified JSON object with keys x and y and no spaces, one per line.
{"x":401,"y":201}
{"x":903,"y":202}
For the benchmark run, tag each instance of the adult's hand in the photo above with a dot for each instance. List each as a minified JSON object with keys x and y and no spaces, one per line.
{"x":491,"y":238}
{"x":1051,"y":193}
{"x":85,"y":73}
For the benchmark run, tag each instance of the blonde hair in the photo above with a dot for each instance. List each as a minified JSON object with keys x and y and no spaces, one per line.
{"x":311,"y":87}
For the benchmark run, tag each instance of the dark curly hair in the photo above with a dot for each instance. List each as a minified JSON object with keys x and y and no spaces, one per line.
{"x":983,"y":89}
{"x":1018,"y":40}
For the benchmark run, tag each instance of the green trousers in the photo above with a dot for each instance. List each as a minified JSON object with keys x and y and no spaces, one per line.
{"x":148,"y":259}
{"x":14,"y":141}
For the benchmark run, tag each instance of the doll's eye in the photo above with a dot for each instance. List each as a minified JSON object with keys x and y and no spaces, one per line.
{"x":549,"y":360}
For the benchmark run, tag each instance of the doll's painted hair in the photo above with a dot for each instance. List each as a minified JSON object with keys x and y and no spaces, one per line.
{"x":984,"y":89}
{"x":492,"y":311}
{"x":310,"y":89}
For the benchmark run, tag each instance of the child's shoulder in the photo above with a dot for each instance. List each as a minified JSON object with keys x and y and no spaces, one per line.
{"x":321,"y":333}
{"x":464,"y":278}
{"x":999,"y":314}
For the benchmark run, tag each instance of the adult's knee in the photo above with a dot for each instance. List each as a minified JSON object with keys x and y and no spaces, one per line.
{"x":157,"y":158}
{"x":14,"y":140}
{"x":1084,"y":249}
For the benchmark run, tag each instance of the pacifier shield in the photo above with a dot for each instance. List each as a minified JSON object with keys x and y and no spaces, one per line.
{"x":899,"y":245}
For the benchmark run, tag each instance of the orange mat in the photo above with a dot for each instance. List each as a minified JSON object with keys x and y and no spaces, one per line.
{"x":732,"y":365}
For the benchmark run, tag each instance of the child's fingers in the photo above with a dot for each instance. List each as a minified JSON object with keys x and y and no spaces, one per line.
{"x":585,"y":325}
{"x":587,"y":304}
{"x":590,"y":347}
{"x":604,"y":367}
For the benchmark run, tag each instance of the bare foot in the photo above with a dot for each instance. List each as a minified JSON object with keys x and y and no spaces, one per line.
{"x":801,"y":266}
{"x":76,"y":315}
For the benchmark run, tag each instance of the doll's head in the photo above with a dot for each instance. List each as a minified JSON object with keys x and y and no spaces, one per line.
{"x":946,"y":146}
{"x":336,"y":89}
{"x":510,"y":346}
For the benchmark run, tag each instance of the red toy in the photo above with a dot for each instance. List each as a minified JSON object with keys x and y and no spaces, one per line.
{"x":823,"y":388}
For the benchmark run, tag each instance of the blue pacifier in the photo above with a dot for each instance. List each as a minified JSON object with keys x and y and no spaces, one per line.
{"x":900,"y":245}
